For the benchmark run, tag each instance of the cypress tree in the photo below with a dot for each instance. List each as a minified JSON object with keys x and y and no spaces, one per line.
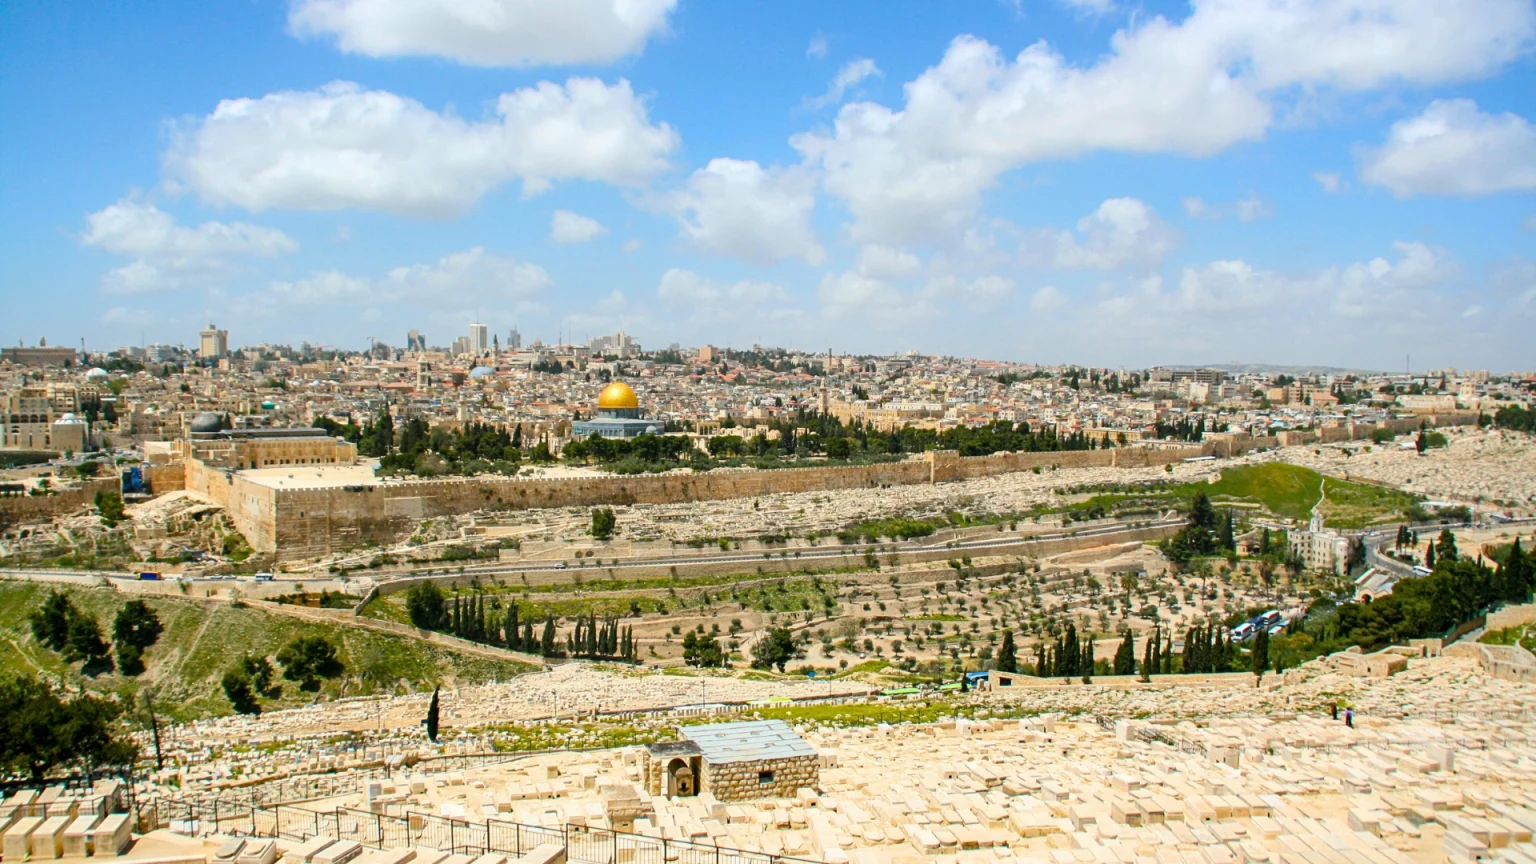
{"x":1125,"y":656}
{"x":1261,"y":653}
{"x":1148,"y":665}
{"x":1429,"y":555}
{"x":547,"y":643}
{"x":432,"y":717}
{"x":1087,"y":662}
{"x":1006,"y":659}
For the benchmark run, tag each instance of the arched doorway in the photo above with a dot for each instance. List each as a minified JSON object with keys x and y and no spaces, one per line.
{"x":680,"y":780}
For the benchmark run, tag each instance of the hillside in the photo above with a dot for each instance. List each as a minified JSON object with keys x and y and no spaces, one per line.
{"x":201,"y":640}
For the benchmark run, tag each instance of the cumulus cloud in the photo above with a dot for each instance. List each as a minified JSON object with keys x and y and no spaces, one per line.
{"x":1248,"y":209}
{"x":1047,"y":299}
{"x":818,"y":47}
{"x":345,"y":147}
{"x":885,"y":262}
{"x":568,"y":227}
{"x":853,"y":73}
{"x":168,"y":256}
{"x":470,"y":279}
{"x":849,"y":295}
{"x":1122,"y":232}
{"x":1452,"y":148}
{"x":1195,"y":87}
{"x":985,"y":291}
{"x":486,"y":32}
{"x":716,"y":303}
{"x":1330,"y":182}
{"x":740,"y":209}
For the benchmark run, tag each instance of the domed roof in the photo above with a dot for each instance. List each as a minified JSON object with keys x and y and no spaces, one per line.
{"x":205,"y":422}
{"x":481,"y":371}
{"x":97,"y":373}
{"x":618,"y":395}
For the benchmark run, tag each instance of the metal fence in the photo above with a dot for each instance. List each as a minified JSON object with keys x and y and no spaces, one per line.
{"x":583,"y":845}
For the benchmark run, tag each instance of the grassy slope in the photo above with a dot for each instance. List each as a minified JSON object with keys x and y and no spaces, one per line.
{"x":1286,"y":490}
{"x":200,"y":642}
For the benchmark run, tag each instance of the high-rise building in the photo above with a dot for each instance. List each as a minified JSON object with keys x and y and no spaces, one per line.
{"x":212,"y":342}
{"x":460,"y":346}
{"x":414,"y":341}
{"x":479,"y":338}
{"x":514,"y":340}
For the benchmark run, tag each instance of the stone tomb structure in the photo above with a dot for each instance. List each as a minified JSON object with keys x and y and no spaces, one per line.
{"x":732,"y":762}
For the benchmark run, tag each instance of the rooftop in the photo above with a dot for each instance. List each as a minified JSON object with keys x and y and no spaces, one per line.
{"x":748,"y":741}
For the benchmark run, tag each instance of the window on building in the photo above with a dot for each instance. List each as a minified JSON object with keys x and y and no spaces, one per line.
{"x":764,"y":777}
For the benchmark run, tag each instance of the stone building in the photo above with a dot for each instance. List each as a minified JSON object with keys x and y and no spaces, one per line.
{"x":1321,"y":548}
{"x":618,"y":416}
{"x":732,"y":762}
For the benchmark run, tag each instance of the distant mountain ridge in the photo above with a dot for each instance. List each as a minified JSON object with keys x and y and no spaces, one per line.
{"x":1270,"y":369}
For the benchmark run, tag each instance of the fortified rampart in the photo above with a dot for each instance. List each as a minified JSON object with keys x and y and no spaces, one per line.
{"x":296,"y":524}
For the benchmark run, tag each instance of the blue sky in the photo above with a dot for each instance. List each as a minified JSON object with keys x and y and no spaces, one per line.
{"x":1288,"y":181}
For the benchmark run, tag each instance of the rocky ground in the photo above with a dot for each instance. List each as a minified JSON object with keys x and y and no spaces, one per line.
{"x":1488,"y":467}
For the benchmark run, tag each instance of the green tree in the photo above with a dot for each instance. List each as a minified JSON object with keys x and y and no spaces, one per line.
{"x":239,"y":691}
{"x":134,"y":629}
{"x":85,"y":642}
{"x":1125,"y":655}
{"x":603,"y":522}
{"x":259,"y":670}
{"x":1445,"y":547}
{"x":110,"y":505}
{"x":703,"y":649}
{"x":39,"y":731}
{"x":1261,"y":652}
{"x":1007,"y":658}
{"x":433,"y":716}
{"x":307,"y":659}
{"x":426,"y":606}
{"x":50,"y":622}
{"x":775,"y":649}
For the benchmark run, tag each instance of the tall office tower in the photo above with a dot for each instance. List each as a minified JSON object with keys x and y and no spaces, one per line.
{"x":212,"y":342}
{"x":414,"y":341}
{"x":514,"y":340}
{"x":479,"y":338}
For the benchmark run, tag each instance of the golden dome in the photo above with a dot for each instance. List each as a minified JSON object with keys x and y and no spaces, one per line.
{"x":617,"y":395}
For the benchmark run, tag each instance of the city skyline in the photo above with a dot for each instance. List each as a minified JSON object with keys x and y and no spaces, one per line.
{"x":1336,"y":184}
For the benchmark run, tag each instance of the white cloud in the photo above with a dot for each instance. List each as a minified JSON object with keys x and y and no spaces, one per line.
{"x":1454,"y":149}
{"x":568,"y":227}
{"x":119,"y":316}
{"x":1122,"y":232}
{"x":170,"y":256}
{"x":1196,"y":208}
{"x":849,"y":295}
{"x":342,"y":146}
{"x":486,"y":32}
{"x":689,"y":288}
{"x":1248,"y":209}
{"x":853,"y":73}
{"x":738,"y":208}
{"x":885,"y":262}
{"x":1195,"y":87}
{"x":1472,"y":311}
{"x":631,"y":245}
{"x":1252,"y":208}
{"x":725,"y":305}
{"x":985,"y":291}
{"x":818,"y":47}
{"x":1047,"y":299}
{"x":464,"y":281}
{"x":1331,"y":183}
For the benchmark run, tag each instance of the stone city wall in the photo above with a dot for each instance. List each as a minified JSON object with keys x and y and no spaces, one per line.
{"x":738,"y":781}
{"x":21,"y":508}
{"x":305,"y":523}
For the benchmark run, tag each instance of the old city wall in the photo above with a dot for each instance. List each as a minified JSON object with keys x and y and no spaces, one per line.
{"x":297,"y":524}
{"x":306,"y":523}
{"x":21,"y":508}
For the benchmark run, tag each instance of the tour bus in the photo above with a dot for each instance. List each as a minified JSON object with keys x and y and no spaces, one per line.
{"x":263,"y":577}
